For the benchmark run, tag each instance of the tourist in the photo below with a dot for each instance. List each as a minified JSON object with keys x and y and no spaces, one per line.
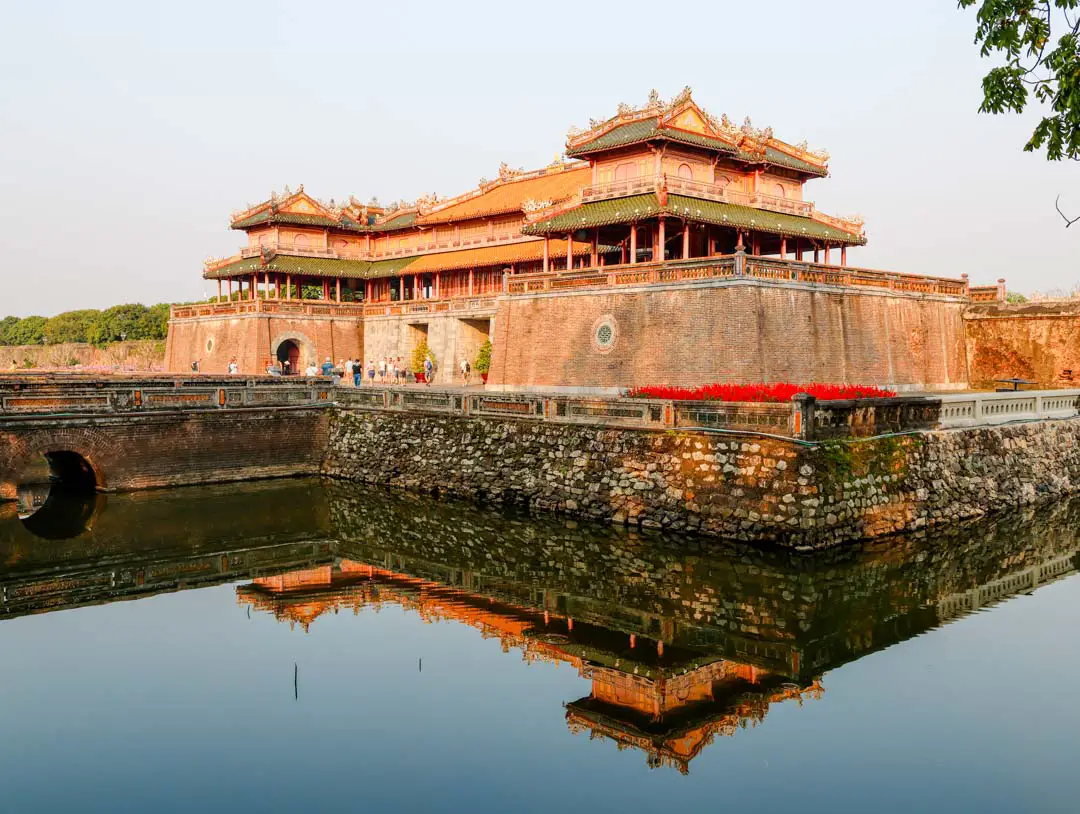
{"x":396,"y":372}
{"x":401,"y":369}
{"x":233,"y":367}
{"x":466,"y":370}
{"x":357,"y":372}
{"x":311,"y":370}
{"x":286,"y":367}
{"x":195,"y":366}
{"x":327,"y":367}
{"x":382,"y":370}
{"x":273,"y":369}
{"x":429,"y":370}
{"x":371,"y":372}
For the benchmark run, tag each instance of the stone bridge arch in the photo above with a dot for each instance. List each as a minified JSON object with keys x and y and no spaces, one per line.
{"x":88,"y":444}
{"x":308,"y":352}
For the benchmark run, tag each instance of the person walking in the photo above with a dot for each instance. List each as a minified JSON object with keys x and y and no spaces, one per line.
{"x":382,"y":370}
{"x":466,"y":371}
{"x":233,"y":367}
{"x":327,"y":367}
{"x":371,"y":372}
{"x":394,"y":370}
{"x":429,"y":370}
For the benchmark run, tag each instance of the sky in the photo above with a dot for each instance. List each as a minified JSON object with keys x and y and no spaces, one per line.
{"x":130,"y":130}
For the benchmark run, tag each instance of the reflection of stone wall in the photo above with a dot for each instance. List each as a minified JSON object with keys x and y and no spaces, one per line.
{"x":754,"y":489}
{"x":781,"y":611}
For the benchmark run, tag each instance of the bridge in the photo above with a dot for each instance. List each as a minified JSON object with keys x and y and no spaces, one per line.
{"x":122,"y":433}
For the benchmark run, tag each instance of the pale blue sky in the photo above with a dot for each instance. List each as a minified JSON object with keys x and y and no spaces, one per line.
{"x":130,"y":130}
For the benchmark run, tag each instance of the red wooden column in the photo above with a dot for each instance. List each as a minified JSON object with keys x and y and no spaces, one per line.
{"x":472,"y":270}
{"x":266,"y":283}
{"x":658,"y":249}
{"x":843,"y":255}
{"x":798,"y":250}
{"x":219,"y":289}
{"x":570,"y":251}
{"x":686,"y":240}
{"x":783,"y":248}
{"x":815,"y":253}
{"x":337,"y":295}
{"x":826,"y":254}
{"x":230,"y":289}
{"x":756,"y":249}
{"x":254,"y":286}
{"x":633,"y":243}
{"x":401,"y":288}
{"x":288,"y":286}
{"x":547,"y":254}
{"x":438,"y":279}
{"x":325,"y":289}
{"x":594,"y":258}
{"x":367,"y":291}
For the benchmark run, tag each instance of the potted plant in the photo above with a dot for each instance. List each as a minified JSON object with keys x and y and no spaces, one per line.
{"x":482,"y":364}
{"x":416,"y":363}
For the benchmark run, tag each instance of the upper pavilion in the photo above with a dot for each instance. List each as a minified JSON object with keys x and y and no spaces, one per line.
{"x":663,"y":182}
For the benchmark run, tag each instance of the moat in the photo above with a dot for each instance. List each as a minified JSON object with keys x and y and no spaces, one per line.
{"x":326,"y":646}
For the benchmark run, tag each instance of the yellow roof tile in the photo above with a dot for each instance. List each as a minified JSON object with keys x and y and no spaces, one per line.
{"x":508,"y":196}
{"x":492,"y":256}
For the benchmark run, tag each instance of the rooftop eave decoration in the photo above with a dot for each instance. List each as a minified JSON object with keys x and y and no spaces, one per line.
{"x":748,"y":142}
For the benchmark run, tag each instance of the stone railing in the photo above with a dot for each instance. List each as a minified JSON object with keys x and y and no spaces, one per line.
{"x":302,"y":251}
{"x":474,"y":304}
{"x":732,"y":266}
{"x":261,"y":306}
{"x":983,"y":409}
{"x":988,"y":293}
{"x":803,"y":418}
{"x":36,"y":395}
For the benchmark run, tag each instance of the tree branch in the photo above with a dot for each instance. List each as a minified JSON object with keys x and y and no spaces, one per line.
{"x":1068,"y":222}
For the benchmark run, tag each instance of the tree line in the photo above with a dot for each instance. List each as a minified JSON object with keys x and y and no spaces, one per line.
{"x":132,"y":321}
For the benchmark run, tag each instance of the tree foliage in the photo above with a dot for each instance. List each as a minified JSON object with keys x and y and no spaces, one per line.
{"x":131,"y":321}
{"x":1036,"y":66}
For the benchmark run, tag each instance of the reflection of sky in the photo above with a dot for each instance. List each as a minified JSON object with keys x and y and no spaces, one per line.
{"x":181,"y":702}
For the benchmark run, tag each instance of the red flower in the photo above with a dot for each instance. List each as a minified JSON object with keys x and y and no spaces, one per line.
{"x":774,"y":392}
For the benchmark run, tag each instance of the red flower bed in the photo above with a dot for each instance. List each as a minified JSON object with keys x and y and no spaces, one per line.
{"x":779,"y":391}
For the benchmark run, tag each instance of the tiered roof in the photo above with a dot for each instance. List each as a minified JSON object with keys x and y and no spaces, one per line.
{"x":682,"y":121}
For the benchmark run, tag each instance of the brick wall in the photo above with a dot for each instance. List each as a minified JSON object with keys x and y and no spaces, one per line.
{"x":451,"y":338}
{"x":153,"y":450}
{"x":1038,"y":341}
{"x":254,"y":338}
{"x":743,"y":332}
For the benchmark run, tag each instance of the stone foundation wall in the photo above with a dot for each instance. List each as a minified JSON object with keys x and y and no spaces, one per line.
{"x":744,"y":488}
{"x":735,"y":331}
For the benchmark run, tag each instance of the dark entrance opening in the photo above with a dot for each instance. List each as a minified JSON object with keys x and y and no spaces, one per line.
{"x":57,"y":495}
{"x":288,"y":356}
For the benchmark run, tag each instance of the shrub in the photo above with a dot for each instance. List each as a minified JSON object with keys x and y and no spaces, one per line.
{"x":419,"y":354}
{"x":482,"y":364}
{"x":774,"y":392}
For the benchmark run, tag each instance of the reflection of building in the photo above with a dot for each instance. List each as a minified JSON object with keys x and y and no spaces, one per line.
{"x":668,"y":701}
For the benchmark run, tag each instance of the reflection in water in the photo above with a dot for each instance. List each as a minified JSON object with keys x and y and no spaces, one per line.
{"x":679,"y":643}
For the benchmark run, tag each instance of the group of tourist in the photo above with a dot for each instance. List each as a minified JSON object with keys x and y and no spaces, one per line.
{"x":389,"y":370}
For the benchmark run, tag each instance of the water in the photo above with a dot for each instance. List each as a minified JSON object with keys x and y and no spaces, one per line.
{"x":298,"y":646}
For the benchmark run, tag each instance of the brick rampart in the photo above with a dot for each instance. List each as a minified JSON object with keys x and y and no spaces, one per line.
{"x":732,"y":330}
{"x":1039,"y":341}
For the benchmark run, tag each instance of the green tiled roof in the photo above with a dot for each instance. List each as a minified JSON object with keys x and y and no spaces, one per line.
{"x":759,"y":220}
{"x":645,"y":130}
{"x":637,"y":207}
{"x":388,"y":268}
{"x":598,"y":213}
{"x":288,"y":264}
{"x":774,"y":156}
{"x":300,"y":219}
{"x":400,"y":222}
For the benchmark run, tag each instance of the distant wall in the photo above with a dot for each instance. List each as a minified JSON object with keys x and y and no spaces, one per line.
{"x":1037,"y":340}
{"x":145,"y":354}
{"x":739,"y":331}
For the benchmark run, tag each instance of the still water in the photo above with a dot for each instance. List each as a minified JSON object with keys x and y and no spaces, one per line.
{"x":301,"y":646}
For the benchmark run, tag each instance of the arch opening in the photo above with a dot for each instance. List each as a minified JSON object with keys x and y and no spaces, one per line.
{"x":57,"y":495}
{"x":288,"y":357}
